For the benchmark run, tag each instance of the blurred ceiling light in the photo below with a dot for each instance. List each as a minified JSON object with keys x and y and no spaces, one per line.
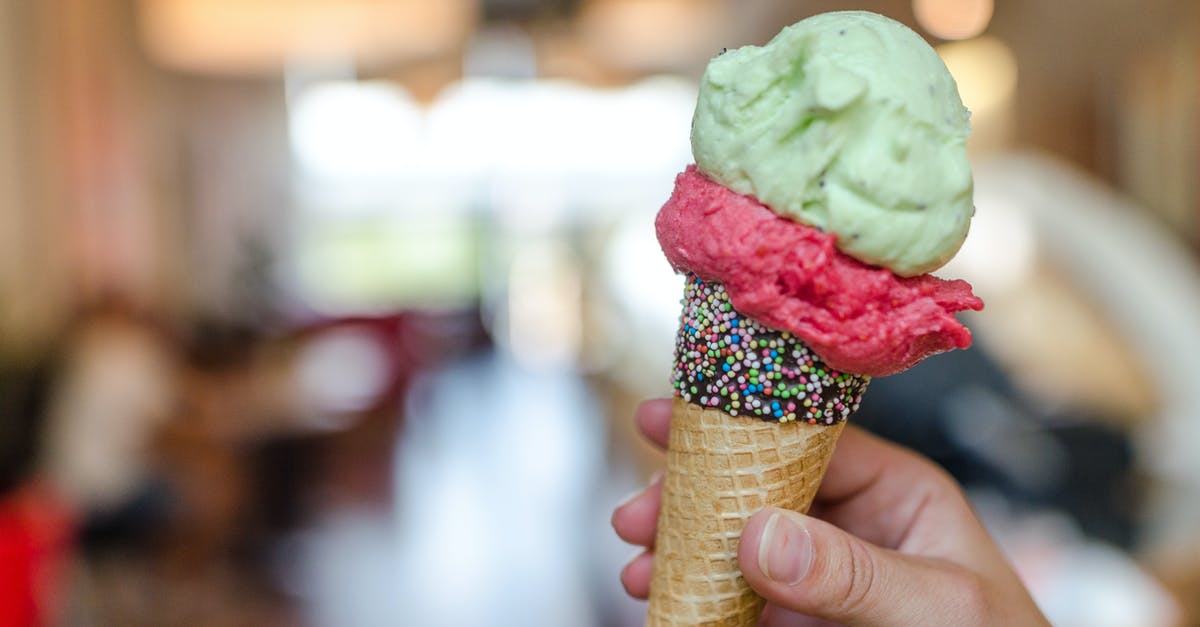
{"x":953,"y":19}
{"x":652,"y":35}
{"x":248,"y":37}
{"x":985,"y":70}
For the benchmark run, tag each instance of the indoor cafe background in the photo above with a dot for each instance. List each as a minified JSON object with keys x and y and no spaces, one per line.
{"x":335,"y":312}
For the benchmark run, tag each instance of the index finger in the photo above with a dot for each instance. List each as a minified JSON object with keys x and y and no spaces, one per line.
{"x":892,"y":496}
{"x":863,"y":461}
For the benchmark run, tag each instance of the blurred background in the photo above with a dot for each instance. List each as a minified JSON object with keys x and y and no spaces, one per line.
{"x":335,"y":312}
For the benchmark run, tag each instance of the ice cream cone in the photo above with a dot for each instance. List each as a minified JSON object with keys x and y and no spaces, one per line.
{"x":754,"y":424}
{"x":831,"y":177}
{"x":720,"y":470}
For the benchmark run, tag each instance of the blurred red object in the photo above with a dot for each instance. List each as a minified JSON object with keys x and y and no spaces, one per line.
{"x":37,"y":530}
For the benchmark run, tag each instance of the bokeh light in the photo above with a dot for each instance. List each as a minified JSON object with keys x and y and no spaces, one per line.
{"x":985,"y":70}
{"x":953,"y":19}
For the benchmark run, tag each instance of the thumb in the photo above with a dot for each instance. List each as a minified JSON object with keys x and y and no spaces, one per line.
{"x":812,"y":567}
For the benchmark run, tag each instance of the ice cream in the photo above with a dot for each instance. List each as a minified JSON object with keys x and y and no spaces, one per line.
{"x":848,"y":122}
{"x":830,"y":177}
{"x":858,"y":318}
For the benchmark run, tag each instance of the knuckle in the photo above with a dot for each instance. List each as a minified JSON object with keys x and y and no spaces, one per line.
{"x":858,"y":584}
{"x":942,"y":488}
{"x":941,"y":481}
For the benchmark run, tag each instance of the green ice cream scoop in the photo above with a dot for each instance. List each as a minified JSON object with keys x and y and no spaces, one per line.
{"x":848,"y":122}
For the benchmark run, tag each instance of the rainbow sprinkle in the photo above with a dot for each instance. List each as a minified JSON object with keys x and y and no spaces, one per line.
{"x":727,"y":361}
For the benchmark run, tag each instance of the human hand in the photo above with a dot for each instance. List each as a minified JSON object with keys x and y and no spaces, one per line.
{"x":890,"y":540}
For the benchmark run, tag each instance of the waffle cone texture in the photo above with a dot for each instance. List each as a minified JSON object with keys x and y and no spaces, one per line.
{"x":721,"y":469}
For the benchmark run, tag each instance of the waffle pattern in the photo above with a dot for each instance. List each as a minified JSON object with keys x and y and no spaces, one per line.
{"x":720,"y":470}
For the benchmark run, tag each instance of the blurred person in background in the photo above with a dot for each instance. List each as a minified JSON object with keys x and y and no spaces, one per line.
{"x":76,"y":424}
{"x":36,"y":524}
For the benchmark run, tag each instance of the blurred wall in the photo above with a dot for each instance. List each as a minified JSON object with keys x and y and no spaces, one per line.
{"x":1073,"y":55}
{"x":1156,"y":139}
{"x":27,"y":288}
{"x":234,"y":166}
{"x":86,"y":214}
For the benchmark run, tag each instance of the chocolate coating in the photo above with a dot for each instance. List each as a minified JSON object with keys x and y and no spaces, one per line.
{"x":728,"y":361}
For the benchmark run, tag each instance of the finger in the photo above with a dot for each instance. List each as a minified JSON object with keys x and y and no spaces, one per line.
{"x":653,"y":419}
{"x":889,"y":495}
{"x":811,"y":567}
{"x":636,"y":520}
{"x":636,"y":575}
{"x":861,"y":460}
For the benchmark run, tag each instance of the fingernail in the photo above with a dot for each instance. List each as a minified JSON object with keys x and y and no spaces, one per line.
{"x":785,"y":550}
{"x":627,"y":498}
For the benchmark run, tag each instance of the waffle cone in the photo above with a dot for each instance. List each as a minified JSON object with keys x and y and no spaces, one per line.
{"x":720,"y":470}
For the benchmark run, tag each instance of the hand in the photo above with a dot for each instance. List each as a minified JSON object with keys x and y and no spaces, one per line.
{"x":890,"y":541}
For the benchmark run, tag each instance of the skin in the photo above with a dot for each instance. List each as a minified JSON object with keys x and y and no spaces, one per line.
{"x":890,"y":541}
